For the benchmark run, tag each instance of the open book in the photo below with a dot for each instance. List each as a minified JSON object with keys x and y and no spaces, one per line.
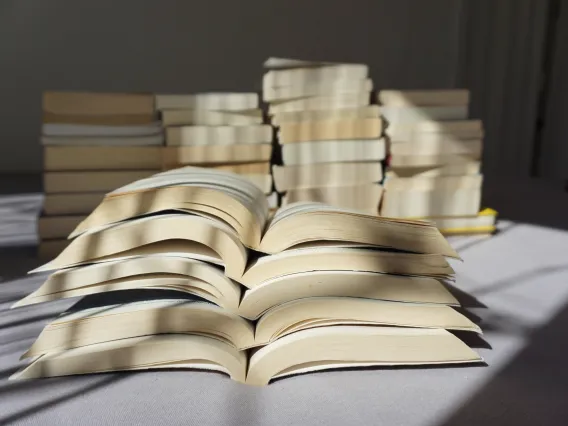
{"x":219,"y":284}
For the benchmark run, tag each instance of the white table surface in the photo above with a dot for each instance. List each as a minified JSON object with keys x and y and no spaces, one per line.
{"x":520,"y":274}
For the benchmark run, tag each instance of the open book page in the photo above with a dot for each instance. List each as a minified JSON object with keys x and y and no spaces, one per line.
{"x":168,"y":270}
{"x":314,"y":312}
{"x":306,"y":222}
{"x":136,"y":318}
{"x":229,"y":197}
{"x":321,"y":258}
{"x":124,"y":239}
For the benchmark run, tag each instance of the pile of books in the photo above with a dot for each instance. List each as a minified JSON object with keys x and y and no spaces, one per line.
{"x":434,"y":164}
{"x":224,"y":131}
{"x":200,"y":277}
{"x":329,"y":135}
{"x":93,"y":143}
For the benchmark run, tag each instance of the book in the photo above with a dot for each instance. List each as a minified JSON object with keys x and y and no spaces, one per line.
{"x":408,"y":115}
{"x":82,"y":158}
{"x":376,"y":278}
{"x":333,"y":151}
{"x":97,"y":104}
{"x":209,"y":101}
{"x":482,"y":223}
{"x":425,"y":203}
{"x":71,"y":203}
{"x":88,"y":181}
{"x":280,"y":93}
{"x":174,"y":157}
{"x":100,"y":120}
{"x":186,"y":315}
{"x":452,"y":169}
{"x":364,"y":198}
{"x":433,"y":161}
{"x":359,"y":347}
{"x":276,"y":63}
{"x":436,"y":183}
{"x":326,"y":174}
{"x":369,"y":111}
{"x":423,"y":97}
{"x":54,"y":227}
{"x":82,"y":130}
{"x":339,"y":101}
{"x":306,"y":131}
{"x":152,"y":140}
{"x":464,"y":129}
{"x":188,"y":269}
{"x":218,"y":135}
{"x":439,"y":146}
{"x":203,"y":117}
{"x":312,"y":74}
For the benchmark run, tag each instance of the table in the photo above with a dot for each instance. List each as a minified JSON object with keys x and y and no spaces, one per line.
{"x":520,"y":274}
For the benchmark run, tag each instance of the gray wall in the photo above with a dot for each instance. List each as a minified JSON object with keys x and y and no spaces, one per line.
{"x":186,"y":46}
{"x":553,"y":162}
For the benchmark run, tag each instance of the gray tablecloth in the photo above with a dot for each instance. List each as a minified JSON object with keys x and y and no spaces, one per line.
{"x":521,"y":275}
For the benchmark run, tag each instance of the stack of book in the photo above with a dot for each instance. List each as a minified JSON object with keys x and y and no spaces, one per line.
{"x":93,"y":143}
{"x":434,"y":164}
{"x":329,"y":134}
{"x":200,"y":277}
{"x":224,"y":131}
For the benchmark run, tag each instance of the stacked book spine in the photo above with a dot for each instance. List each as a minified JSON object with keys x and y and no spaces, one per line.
{"x":330,"y":136}
{"x":223,"y":131}
{"x":92,"y":142}
{"x":170,"y":281}
{"x":435,"y":160}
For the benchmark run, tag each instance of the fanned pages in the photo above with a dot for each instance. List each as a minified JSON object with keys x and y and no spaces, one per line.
{"x":142,"y":353}
{"x":177,"y":269}
{"x":203,"y":117}
{"x":301,"y":223}
{"x":348,"y":347}
{"x":335,"y":259}
{"x":369,"y":285}
{"x":122,"y":321}
{"x":300,"y":352}
{"x":122,"y":240}
{"x":188,"y":268}
{"x":208,"y":101}
{"x":97,"y":324}
{"x":243,"y":207}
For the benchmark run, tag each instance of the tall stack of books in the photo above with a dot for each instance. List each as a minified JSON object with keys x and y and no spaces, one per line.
{"x":329,"y":135}
{"x":187,"y":291}
{"x":93,"y":142}
{"x":434,"y":164}
{"x":224,"y":131}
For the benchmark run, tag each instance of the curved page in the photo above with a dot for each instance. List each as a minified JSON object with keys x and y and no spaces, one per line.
{"x":150,"y":352}
{"x":226,"y":196}
{"x":301,"y":223}
{"x":356,"y":346}
{"x":325,"y":311}
{"x":123,"y":238}
{"x":343,"y":284}
{"x":339,"y":259}
{"x":151,"y":271}
{"x":123,"y":321}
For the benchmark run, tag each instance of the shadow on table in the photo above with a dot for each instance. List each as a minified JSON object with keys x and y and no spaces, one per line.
{"x":532,"y":389}
{"x":105,"y":380}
